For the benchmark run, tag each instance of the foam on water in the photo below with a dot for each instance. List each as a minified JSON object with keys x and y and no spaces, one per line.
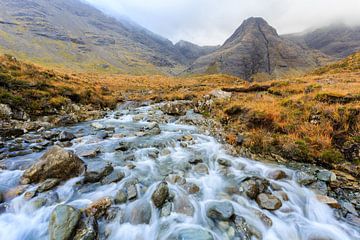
{"x":302,"y":217}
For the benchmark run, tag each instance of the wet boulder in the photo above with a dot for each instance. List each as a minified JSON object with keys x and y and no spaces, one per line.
{"x":160,"y":195}
{"x":268,"y":201}
{"x":219,"y":210}
{"x":65,"y":136}
{"x":63,"y":222}
{"x":55,"y":163}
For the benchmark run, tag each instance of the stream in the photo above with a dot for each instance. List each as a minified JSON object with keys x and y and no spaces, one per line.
{"x":208,"y":192}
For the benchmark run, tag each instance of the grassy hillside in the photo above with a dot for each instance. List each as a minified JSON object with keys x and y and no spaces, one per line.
{"x":40,"y":91}
{"x":315,"y":118}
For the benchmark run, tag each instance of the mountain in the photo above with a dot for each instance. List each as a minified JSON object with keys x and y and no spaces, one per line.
{"x":73,"y":34}
{"x":255,"y":48}
{"x":338,"y":40}
{"x":192,"y":51}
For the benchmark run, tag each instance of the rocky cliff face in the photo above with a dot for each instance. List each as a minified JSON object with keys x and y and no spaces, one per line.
{"x":72,"y":34}
{"x":256,"y":48}
{"x":337,"y":40}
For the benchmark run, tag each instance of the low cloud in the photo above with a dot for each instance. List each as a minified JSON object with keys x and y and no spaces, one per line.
{"x":211,"y":22}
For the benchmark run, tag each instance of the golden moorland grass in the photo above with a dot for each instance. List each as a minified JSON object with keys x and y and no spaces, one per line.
{"x":314,"y":118}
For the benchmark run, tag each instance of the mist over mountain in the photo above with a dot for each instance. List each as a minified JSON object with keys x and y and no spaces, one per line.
{"x":337,"y":40}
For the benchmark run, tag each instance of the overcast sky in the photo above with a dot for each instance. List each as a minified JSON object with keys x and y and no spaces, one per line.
{"x":211,"y":22}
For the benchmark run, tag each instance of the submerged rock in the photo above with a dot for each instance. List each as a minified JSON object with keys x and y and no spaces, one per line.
{"x":219,"y":210}
{"x":192,"y":234}
{"x":63,"y":222}
{"x":55,"y":163}
{"x":140,"y":213}
{"x":183,"y":205}
{"x":268,"y":201}
{"x":160,"y":195}
{"x":48,"y":184}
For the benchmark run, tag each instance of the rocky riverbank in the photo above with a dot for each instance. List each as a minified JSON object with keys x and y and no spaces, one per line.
{"x":140,"y":173}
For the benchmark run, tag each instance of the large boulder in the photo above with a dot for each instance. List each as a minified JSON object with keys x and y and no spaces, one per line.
{"x":55,"y":163}
{"x":63,"y":222}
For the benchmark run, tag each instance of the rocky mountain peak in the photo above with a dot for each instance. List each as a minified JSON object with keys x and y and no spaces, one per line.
{"x":250,"y":28}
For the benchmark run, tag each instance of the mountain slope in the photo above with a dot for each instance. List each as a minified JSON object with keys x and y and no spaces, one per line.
{"x":336,"y":40}
{"x":256,"y":48}
{"x":72,"y":34}
{"x":192,"y":51}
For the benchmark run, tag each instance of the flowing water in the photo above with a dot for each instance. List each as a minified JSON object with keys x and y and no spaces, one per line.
{"x":154,"y":158}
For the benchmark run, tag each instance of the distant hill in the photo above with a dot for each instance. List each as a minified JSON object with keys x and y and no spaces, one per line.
{"x":256,"y":48}
{"x":72,"y":34}
{"x":336,"y":40}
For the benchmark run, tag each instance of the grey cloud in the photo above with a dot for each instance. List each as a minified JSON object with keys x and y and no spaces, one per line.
{"x":210,"y":22}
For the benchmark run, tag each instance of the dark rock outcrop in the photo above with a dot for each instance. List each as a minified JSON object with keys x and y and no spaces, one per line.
{"x":256,"y":48}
